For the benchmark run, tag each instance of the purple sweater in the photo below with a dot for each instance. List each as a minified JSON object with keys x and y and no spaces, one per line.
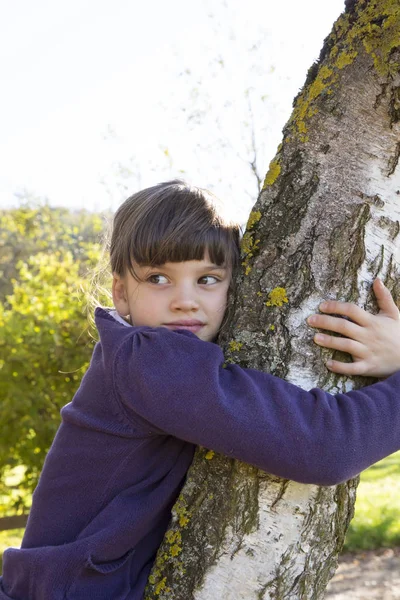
{"x":127,"y":439}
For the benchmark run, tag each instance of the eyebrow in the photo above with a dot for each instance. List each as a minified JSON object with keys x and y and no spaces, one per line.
{"x":212,"y":268}
{"x":209,"y":267}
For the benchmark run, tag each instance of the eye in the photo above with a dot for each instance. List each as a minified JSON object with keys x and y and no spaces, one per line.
{"x":208,"y":280}
{"x":157,"y":279}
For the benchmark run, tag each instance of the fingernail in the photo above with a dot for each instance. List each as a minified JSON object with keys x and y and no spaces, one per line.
{"x":318,"y":337}
{"x":323,"y":305}
{"x":329,"y":363}
{"x":311,"y":319}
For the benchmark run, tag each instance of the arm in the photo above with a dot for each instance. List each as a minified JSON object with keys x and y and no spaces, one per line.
{"x":178,"y":384}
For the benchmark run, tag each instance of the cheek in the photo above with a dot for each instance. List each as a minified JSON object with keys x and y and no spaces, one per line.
{"x":219,"y":304}
{"x":140,"y":302}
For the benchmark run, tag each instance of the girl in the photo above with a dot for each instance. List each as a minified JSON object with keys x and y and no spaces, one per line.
{"x":156,"y":387}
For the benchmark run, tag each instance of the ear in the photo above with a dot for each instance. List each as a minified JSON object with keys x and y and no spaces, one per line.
{"x":120,"y":295}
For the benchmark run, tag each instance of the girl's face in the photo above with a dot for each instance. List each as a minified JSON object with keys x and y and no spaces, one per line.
{"x":188,"y":295}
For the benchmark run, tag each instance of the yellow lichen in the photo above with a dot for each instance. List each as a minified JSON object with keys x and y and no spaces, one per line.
{"x":169,"y":535}
{"x":248,"y":245}
{"x":183,"y":521}
{"x":334,"y":52}
{"x":376,"y":28}
{"x":320,"y":83}
{"x":247,"y":269}
{"x":161,"y":585}
{"x":377,"y":39}
{"x":259,"y":293}
{"x":175,"y":550}
{"x":272,"y":327}
{"x":304,"y":109}
{"x":273,"y":173}
{"x":209,"y":454}
{"x":173,"y":536}
{"x":277,"y":297}
{"x":235,"y":346}
{"x":344,"y":59}
{"x":313,"y":110}
{"x":254,"y":217}
{"x":182,"y":512}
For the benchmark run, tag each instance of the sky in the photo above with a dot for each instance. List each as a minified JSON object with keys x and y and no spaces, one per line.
{"x":101,"y":99}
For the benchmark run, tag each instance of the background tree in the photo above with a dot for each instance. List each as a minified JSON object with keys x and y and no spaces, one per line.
{"x":45,"y":346}
{"x":37,"y":227}
{"x":325,"y":224}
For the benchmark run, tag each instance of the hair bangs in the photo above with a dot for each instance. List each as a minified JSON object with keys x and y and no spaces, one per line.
{"x":171,"y":222}
{"x":159,"y":247}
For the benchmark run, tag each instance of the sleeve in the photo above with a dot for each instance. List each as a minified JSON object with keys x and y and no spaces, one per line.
{"x":178,"y":383}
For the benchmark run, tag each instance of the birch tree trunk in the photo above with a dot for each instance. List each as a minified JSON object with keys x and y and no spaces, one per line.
{"x":325,"y":225}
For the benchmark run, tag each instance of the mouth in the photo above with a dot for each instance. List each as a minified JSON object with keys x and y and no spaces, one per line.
{"x":190,"y":325}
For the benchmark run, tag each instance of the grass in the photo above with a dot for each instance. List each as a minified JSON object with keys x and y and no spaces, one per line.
{"x":377,"y":519}
{"x":376,"y":523}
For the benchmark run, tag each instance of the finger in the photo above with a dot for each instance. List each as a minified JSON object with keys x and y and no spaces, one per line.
{"x":342,"y":368}
{"x":347,"y":309}
{"x":336,"y":324}
{"x":339,"y":343}
{"x":384,"y":298}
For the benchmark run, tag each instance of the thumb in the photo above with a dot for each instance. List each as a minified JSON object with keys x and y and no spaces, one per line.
{"x":385,"y":301}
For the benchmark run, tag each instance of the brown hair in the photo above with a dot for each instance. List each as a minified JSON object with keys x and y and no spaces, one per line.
{"x":171,"y":222}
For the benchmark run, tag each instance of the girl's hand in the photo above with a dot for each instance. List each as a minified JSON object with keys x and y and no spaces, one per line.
{"x":372,"y":340}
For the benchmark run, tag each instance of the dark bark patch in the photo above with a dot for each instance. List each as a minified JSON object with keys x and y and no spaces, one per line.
{"x":392,"y":226}
{"x":347,"y":257}
{"x":394,"y":106}
{"x":381,"y":96}
{"x":392,"y":279}
{"x":376,"y":265}
{"x":354,"y":6}
{"x":350,"y":6}
{"x":300,"y":262}
{"x":280,"y":495}
{"x":394,"y":160}
{"x":296,"y":188}
{"x":311,"y":75}
{"x":379,"y":21}
{"x":376,"y":200}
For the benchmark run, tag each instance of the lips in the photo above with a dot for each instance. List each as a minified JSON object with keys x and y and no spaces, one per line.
{"x":192,"y":325}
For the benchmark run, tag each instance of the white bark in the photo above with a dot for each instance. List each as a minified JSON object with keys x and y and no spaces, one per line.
{"x":282,"y":532}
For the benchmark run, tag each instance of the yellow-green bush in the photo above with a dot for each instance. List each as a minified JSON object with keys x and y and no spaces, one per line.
{"x":45,"y":343}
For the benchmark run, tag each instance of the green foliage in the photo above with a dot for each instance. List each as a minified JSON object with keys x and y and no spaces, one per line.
{"x":14,"y":499}
{"x":28,"y":230}
{"x":45,"y":346}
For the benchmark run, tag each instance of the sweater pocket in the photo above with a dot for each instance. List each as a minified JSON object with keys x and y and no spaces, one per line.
{"x":110,"y":566}
{"x":104,"y":580}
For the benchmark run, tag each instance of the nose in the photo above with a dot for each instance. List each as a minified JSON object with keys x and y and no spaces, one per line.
{"x":184,"y":298}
